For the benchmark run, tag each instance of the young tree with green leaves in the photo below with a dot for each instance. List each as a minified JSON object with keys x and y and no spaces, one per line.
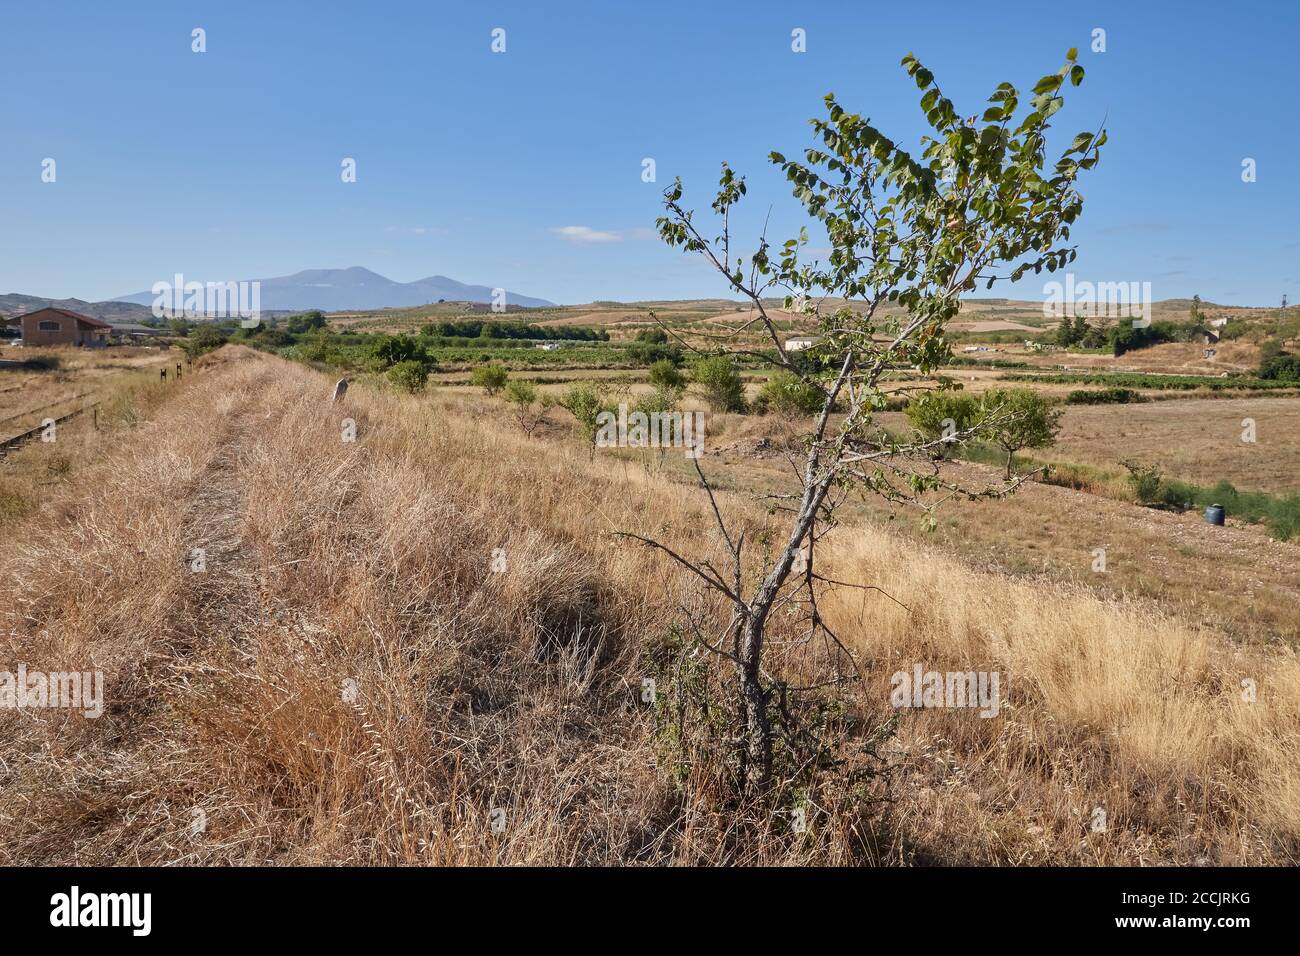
{"x":1023,"y":419}
{"x":585,"y":402}
{"x":399,"y":348}
{"x":976,"y":204}
{"x":204,"y":339}
{"x":664,"y":374}
{"x":529,"y":409}
{"x":305,"y":322}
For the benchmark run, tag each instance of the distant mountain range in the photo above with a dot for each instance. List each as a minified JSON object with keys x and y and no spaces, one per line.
{"x":330,"y":290}
{"x":15,"y":303}
{"x":359,"y":289}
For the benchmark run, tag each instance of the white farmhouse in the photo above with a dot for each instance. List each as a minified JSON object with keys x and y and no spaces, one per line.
{"x":800,"y":342}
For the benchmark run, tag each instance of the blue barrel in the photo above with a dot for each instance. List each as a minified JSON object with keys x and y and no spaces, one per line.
{"x":1214,"y":514}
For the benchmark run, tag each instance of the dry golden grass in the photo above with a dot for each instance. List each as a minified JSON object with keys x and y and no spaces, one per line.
{"x":1112,"y":706}
{"x":82,"y":377}
{"x":368,"y":565}
{"x":1237,"y":579}
{"x":1197,"y":441}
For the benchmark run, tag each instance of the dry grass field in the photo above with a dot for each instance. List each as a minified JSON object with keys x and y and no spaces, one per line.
{"x":401,"y":639}
{"x":1235,"y":580}
{"x":1198,"y":441}
{"x":79,"y":378}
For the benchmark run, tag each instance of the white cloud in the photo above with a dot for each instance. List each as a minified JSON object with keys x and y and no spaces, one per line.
{"x":585,"y":234}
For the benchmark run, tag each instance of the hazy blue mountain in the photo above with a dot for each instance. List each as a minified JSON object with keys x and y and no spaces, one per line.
{"x":356,"y":289}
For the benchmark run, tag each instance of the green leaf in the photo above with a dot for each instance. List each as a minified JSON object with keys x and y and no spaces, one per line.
{"x":1048,"y":84}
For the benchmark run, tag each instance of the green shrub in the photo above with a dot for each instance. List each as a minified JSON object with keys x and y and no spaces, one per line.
{"x":524,"y":393}
{"x":1145,"y":480}
{"x":788,"y":395}
{"x":305,"y":322}
{"x":269,"y":337}
{"x":1277,"y":365}
{"x":648,"y":353}
{"x":409,"y":376}
{"x":1107,"y":396}
{"x":720,"y":383}
{"x":320,"y":350}
{"x":400,"y":348}
{"x":937,"y":414}
{"x":491,"y":378}
{"x":663,"y":399}
{"x":204,"y":339}
{"x":664,"y":373}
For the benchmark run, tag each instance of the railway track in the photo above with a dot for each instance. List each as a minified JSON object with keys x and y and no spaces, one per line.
{"x":14,"y":441}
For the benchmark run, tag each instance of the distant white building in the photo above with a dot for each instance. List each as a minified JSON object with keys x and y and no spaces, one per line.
{"x":800,"y":342}
{"x":548,"y":346}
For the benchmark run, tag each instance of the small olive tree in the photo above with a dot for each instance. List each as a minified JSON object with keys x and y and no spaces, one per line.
{"x":908,"y":235}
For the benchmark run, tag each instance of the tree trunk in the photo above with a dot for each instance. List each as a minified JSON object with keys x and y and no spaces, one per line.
{"x":756,"y":749}
{"x":756,"y":754}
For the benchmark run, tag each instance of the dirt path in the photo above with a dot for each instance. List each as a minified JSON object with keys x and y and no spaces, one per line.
{"x":223,"y":599}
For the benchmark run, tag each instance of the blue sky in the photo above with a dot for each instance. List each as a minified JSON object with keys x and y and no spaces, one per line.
{"x":226,"y":165}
